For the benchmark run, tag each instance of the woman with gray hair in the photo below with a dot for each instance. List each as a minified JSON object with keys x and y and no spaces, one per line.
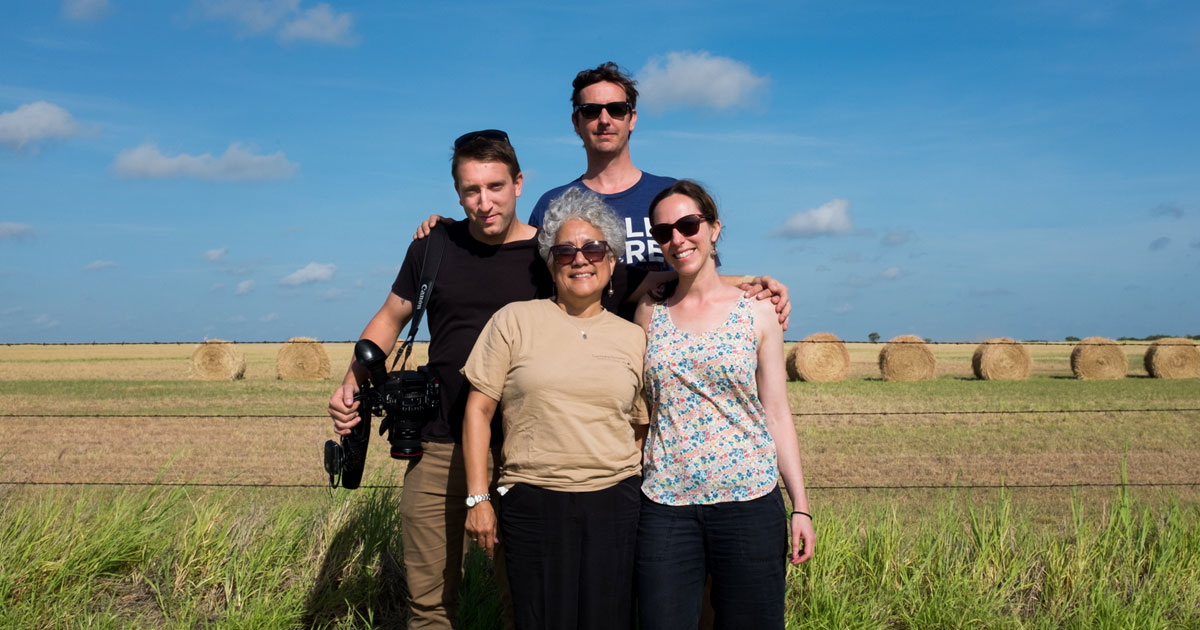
{"x":567,"y":376}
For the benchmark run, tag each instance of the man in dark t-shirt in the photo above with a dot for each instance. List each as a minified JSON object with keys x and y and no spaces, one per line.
{"x":488,"y":261}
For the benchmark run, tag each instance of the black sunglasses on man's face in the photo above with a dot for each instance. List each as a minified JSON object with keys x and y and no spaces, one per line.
{"x":616,"y":109}
{"x":486,"y":134}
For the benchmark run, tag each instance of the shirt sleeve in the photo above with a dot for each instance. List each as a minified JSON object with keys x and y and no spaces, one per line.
{"x":487,"y":366}
{"x":409,"y":277}
{"x":639,"y":413}
{"x":539,"y":211}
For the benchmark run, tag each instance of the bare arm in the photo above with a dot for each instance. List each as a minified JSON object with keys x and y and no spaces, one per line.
{"x":757,"y":287}
{"x":772,"y":391}
{"x":383,"y":329}
{"x":477,"y":437}
{"x":762,"y":288}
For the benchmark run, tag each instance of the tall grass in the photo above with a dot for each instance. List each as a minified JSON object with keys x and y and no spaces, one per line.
{"x":181,"y":558}
{"x":969,"y":567}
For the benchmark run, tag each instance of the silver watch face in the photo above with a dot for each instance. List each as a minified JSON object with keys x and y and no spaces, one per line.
{"x":471,"y":501}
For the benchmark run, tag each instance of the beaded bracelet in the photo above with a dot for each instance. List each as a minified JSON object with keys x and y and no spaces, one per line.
{"x":795,"y":512}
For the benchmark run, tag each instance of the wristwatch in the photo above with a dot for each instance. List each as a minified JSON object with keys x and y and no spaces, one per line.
{"x":476,"y":499}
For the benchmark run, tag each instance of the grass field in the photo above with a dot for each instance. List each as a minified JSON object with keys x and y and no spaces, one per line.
{"x":280,"y":557}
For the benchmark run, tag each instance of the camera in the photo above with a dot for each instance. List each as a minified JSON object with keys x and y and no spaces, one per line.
{"x":407,"y":398}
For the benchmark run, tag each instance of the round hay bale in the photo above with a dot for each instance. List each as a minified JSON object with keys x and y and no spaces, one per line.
{"x":819,"y":358}
{"x":302,"y":358}
{"x":1001,"y":359}
{"x":218,"y":360}
{"x":1173,"y":357}
{"x":1098,"y":359}
{"x":906,"y":358}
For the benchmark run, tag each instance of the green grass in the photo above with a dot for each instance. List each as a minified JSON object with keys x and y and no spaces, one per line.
{"x":989,"y":567}
{"x":182,"y":558}
{"x":103,"y":557}
{"x":213,"y":398}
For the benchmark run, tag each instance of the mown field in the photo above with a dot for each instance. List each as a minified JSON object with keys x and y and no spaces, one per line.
{"x":912,"y":530}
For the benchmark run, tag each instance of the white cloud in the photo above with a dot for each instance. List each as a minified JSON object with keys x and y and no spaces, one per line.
{"x":320,"y":25}
{"x":45,"y":321}
{"x":685,"y":79}
{"x":36,"y":121}
{"x":216,"y":255}
{"x":15,"y":231}
{"x":84,"y":10}
{"x":333,"y":295}
{"x":841,"y":309}
{"x":861,"y":282}
{"x":290,"y":22}
{"x":269,"y":317}
{"x":989,"y":292}
{"x":244,"y":287}
{"x":897,"y":237}
{"x":254,"y":16}
{"x":831,"y":217}
{"x":237,"y":164}
{"x":312,"y":272}
{"x":216,"y":286}
{"x":97,"y":265}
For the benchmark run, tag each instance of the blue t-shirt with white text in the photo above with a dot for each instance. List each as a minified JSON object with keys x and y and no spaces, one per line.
{"x":631,"y":205}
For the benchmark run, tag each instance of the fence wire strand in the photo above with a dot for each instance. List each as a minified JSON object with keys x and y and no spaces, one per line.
{"x":864,"y":412}
{"x":1036,"y":342}
{"x":990,"y":486}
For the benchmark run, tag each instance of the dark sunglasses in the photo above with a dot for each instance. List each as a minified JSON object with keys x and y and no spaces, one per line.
{"x":486,"y":134}
{"x":687,"y":226}
{"x":593,"y":252}
{"x":616,"y":109}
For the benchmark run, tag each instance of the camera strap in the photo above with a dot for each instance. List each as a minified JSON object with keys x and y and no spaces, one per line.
{"x":429,"y":268}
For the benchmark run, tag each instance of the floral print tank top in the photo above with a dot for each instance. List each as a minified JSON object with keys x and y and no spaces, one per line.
{"x":708,"y":439}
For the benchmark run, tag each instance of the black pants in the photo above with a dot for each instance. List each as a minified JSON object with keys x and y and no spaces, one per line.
{"x":570,"y":555}
{"x":743,"y":545}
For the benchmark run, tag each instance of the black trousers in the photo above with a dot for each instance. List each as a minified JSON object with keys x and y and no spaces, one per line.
{"x":570,"y":555}
{"x":742,"y":544}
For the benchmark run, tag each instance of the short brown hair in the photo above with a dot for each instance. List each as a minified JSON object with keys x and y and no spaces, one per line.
{"x":483,"y":149}
{"x":692,"y":190}
{"x":607,"y":72}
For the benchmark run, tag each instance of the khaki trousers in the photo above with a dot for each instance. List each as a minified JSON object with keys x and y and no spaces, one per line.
{"x":433,"y":511}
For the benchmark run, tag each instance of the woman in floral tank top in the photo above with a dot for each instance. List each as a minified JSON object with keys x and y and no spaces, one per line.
{"x":721,"y":434}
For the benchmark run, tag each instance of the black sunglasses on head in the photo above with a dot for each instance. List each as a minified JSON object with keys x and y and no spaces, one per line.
{"x":687,"y":226}
{"x":486,"y":134}
{"x":616,"y":109}
{"x":594,"y":252}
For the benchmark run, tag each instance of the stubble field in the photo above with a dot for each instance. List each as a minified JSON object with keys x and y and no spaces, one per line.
{"x":903,"y":479}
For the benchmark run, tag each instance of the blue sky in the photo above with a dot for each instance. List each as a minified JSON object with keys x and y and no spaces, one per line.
{"x":253,"y":170}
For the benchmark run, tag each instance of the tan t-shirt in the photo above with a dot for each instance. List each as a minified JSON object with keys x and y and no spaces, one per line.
{"x":569,"y":391}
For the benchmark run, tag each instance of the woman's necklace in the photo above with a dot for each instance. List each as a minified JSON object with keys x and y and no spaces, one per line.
{"x":583,"y":332}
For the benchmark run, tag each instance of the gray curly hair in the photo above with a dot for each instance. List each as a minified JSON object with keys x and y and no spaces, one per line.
{"x":580,"y":203}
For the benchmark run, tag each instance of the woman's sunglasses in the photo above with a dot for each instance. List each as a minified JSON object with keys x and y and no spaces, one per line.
{"x":593,"y":252}
{"x":687,"y":226}
{"x":616,"y":109}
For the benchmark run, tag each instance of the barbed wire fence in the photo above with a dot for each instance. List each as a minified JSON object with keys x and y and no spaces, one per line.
{"x":853,"y":487}
{"x":1124,"y":342}
{"x":848,"y":413}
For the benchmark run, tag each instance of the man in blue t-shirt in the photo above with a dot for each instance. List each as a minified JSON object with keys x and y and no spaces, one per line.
{"x":604,"y":114}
